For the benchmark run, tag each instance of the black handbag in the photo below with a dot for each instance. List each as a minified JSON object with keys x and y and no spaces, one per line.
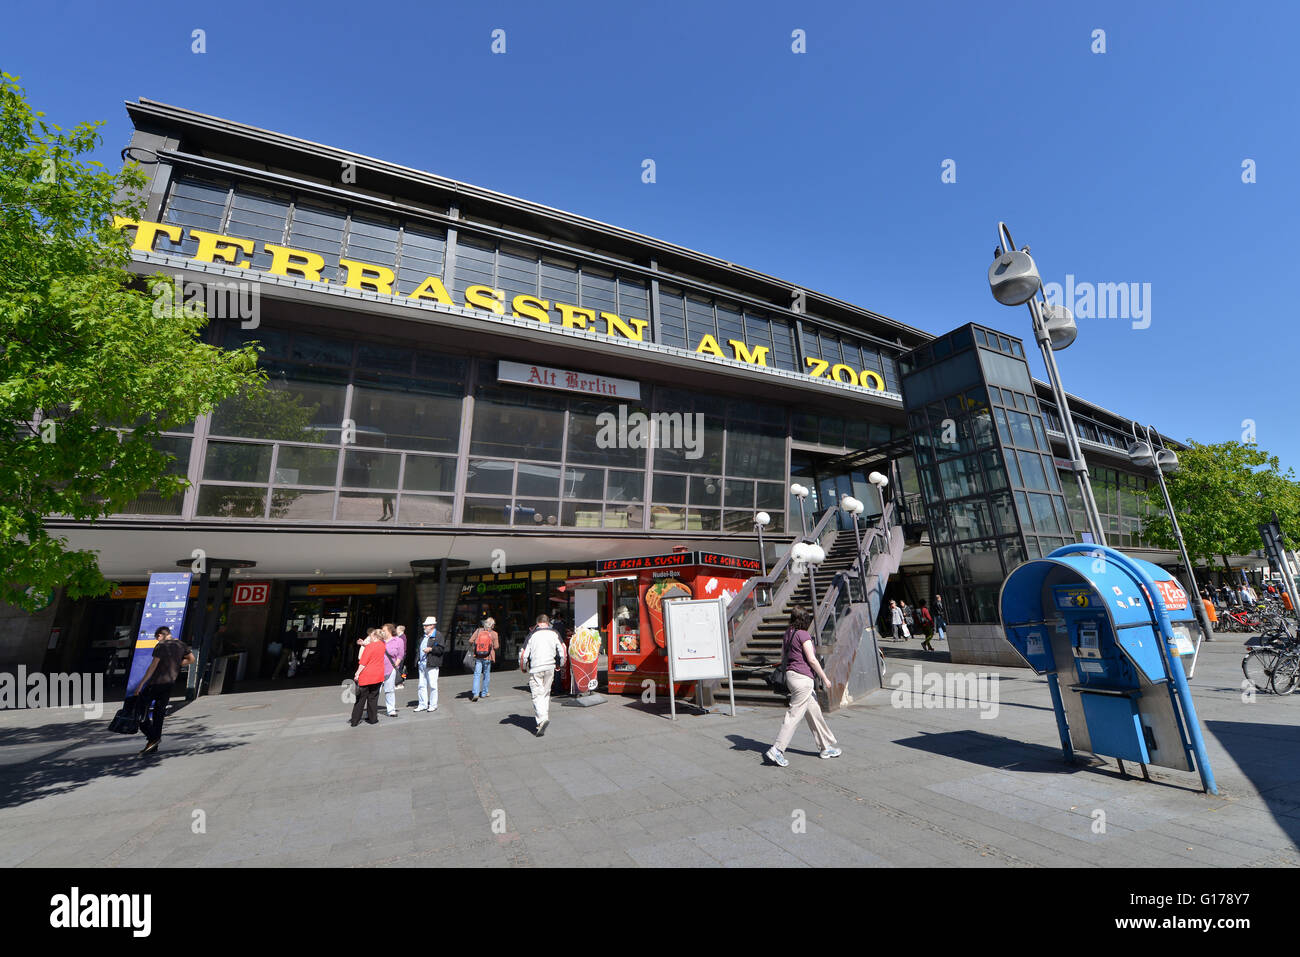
{"x":777,"y":678}
{"x":127,"y":719}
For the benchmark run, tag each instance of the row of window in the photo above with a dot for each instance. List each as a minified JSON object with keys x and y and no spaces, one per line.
{"x":415,"y":252}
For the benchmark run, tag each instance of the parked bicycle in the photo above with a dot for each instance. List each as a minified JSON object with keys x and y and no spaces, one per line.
{"x":1273,"y":664}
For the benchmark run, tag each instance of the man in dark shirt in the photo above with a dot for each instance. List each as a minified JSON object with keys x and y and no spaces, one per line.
{"x":155,"y":688}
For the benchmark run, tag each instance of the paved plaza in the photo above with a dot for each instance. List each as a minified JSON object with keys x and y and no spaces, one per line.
{"x":279,"y":778}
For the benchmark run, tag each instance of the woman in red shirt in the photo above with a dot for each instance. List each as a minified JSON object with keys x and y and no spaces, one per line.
{"x":369,"y":679}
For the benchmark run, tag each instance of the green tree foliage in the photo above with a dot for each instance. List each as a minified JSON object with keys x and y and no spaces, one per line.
{"x":83,"y":352}
{"x":1222,"y":493}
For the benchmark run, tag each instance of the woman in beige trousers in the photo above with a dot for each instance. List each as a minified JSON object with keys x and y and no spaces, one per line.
{"x":801,"y":664}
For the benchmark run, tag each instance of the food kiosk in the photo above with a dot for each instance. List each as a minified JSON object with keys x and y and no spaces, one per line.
{"x":622,"y":607}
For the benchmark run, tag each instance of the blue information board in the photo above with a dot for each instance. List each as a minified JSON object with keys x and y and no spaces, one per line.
{"x":164,"y":605}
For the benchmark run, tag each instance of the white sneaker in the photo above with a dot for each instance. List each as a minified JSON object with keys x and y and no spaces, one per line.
{"x":831,"y":753}
{"x":421,"y":709}
{"x":776,"y":757}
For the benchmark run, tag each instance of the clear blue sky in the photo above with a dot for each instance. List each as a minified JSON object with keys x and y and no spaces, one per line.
{"x":823,"y":168}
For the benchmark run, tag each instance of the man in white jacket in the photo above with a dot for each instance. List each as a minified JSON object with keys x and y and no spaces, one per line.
{"x":539,"y":656}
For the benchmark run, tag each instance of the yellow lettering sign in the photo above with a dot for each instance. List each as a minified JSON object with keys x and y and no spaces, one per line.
{"x":741,"y":351}
{"x":710,"y":345}
{"x":366,"y":276}
{"x":624,"y":327}
{"x":530,"y":307}
{"x":432,"y":288}
{"x":286,"y":261}
{"x":146,"y":232}
{"x":300,"y":262}
{"x":485,"y":297}
{"x":213,"y":246}
{"x":571,"y":317}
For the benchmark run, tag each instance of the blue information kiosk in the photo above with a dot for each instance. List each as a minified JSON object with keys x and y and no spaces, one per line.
{"x":1109,"y":632}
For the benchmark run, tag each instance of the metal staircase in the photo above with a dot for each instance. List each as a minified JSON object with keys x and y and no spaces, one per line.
{"x":759,"y":614}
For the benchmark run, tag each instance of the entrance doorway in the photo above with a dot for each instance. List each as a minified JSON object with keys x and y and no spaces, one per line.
{"x":320,"y":632}
{"x":829,"y":478}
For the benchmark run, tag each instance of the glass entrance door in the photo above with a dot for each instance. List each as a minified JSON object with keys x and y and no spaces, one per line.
{"x":322,"y":632}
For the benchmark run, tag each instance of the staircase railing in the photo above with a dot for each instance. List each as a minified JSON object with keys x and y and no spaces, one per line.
{"x":847,"y":585}
{"x":774,"y":588}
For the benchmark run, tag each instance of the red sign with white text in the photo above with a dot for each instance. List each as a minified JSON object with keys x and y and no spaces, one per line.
{"x":252,"y":593}
{"x":1172,"y":594}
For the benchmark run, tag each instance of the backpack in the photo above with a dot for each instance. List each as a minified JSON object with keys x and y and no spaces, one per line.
{"x":482,"y":642}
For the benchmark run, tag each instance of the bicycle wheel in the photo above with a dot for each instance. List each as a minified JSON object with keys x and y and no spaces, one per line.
{"x":1258,"y":667}
{"x":1286,"y":671}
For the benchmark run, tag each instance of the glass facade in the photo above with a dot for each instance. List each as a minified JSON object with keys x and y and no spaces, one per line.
{"x":357,"y":432}
{"x":415,"y":250}
{"x":989,"y":482}
{"x":1122,"y":502}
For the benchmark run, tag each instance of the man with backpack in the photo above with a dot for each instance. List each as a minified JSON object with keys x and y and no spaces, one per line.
{"x":429,"y":662}
{"x":484,"y":644}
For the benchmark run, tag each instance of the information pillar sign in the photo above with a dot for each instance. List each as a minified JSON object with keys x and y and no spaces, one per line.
{"x":164,"y":606}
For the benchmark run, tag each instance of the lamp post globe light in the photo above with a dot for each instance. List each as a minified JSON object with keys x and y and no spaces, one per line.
{"x":1014,"y":281}
{"x":801,"y":492}
{"x":880,"y":481}
{"x":854,"y":508}
{"x":761,"y":521}
{"x":809,"y":555}
{"x":1144,"y":453}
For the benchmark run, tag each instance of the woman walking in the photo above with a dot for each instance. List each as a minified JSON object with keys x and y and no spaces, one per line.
{"x":896,"y":620}
{"x":801,"y":666}
{"x":369,"y":678}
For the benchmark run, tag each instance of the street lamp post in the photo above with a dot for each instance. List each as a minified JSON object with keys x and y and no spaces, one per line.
{"x":801,"y":492}
{"x":1015,"y":281}
{"x":761,"y":520}
{"x":1148,"y":451}
{"x":810,"y":554}
{"x":855,"y":508}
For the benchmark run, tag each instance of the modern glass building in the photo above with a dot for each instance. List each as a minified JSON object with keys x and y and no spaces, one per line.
{"x":480,"y":392}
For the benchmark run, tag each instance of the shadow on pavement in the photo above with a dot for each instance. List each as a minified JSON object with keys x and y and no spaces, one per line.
{"x":1266,"y":755}
{"x":520,"y":721}
{"x":1002,"y":753}
{"x":62,"y":770}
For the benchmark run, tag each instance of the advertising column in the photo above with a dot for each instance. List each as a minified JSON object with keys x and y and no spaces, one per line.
{"x":584,"y":646}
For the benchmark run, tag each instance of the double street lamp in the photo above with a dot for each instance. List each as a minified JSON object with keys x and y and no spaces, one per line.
{"x":1148,"y":451}
{"x":1014,"y":280}
{"x":809,"y":554}
{"x":854,"y":508}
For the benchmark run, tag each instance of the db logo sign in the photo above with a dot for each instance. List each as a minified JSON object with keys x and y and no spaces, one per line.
{"x":252,"y":593}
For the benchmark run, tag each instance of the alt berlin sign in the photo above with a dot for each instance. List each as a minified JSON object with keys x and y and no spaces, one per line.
{"x":566,"y":380}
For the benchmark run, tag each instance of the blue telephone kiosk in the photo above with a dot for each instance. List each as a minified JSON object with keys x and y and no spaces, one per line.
{"x":1109,"y":632}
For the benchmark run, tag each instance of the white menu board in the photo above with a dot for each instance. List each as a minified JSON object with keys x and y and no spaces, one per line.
{"x":696,"y":634}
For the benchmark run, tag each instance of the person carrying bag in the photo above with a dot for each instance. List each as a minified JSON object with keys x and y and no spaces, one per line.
{"x":801,"y":669}
{"x":483,"y":646}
